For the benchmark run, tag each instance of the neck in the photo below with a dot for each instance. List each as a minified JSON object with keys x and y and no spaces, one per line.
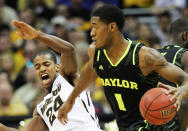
{"x":117,"y":44}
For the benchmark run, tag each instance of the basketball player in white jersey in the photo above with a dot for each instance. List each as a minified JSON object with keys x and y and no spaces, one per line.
{"x":57,"y":80}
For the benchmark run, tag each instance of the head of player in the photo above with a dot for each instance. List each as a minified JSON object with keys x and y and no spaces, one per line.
{"x":178,"y":32}
{"x":107,"y":24}
{"x":46,"y":68}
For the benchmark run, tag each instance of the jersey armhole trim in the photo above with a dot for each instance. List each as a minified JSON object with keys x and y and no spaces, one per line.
{"x":134,"y":52}
{"x":98,"y":55}
{"x":176,"y":56}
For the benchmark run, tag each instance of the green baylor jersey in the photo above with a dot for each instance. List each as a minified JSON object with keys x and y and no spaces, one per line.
{"x":123,"y":83}
{"x":173,"y":54}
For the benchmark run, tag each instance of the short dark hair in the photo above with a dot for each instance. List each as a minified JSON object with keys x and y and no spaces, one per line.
{"x":178,"y":26}
{"x":48,"y":51}
{"x":110,"y":13}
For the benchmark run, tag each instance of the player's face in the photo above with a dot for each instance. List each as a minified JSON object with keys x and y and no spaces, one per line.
{"x":45,"y":69}
{"x":99,"y":32}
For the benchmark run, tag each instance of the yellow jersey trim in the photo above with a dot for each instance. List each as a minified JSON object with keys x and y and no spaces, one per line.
{"x":126,"y":52}
{"x":134,"y":52}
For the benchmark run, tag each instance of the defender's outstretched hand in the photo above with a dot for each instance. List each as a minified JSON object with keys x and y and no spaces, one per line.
{"x":63,"y":111}
{"x":24,"y":30}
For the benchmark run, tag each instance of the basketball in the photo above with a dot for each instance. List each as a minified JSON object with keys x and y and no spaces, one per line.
{"x":156,"y":107}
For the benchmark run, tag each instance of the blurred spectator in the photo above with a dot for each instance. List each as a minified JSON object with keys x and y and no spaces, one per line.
{"x":79,"y":36}
{"x":31,"y":88}
{"x":161,"y":6}
{"x":185,"y":13}
{"x":81,"y":49}
{"x":88,"y":4}
{"x":131,"y":28}
{"x":7,"y":107}
{"x":59,"y":26}
{"x":137,"y":3}
{"x":143,"y":33}
{"x":5,"y":38}
{"x":161,"y":28}
{"x":40,"y":9}
{"x":62,"y":10}
{"x":4,"y":76}
{"x":78,"y":10}
{"x":154,"y":42}
{"x":27,"y":16}
{"x":25,"y":59}
{"x":8,"y":65}
{"x":8,"y":13}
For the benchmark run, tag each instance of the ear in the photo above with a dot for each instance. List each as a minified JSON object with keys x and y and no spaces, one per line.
{"x":57,"y":67}
{"x":184,"y":36}
{"x":112,"y":27}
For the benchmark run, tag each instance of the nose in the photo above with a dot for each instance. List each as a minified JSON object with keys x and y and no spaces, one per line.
{"x":92,"y":33}
{"x":42,"y":68}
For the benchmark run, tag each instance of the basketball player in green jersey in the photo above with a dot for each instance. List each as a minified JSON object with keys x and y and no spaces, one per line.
{"x":176,"y":54}
{"x":127,"y":70}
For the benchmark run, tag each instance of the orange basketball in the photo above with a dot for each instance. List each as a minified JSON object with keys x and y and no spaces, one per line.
{"x":156,"y":107}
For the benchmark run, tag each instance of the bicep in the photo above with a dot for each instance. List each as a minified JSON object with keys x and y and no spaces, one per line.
{"x":153,"y":61}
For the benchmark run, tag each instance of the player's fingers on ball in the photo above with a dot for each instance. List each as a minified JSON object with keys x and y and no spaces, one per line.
{"x":175,"y":96}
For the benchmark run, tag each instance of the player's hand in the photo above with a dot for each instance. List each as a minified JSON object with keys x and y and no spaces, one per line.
{"x":178,"y":93}
{"x":24,"y":30}
{"x":63,"y":111}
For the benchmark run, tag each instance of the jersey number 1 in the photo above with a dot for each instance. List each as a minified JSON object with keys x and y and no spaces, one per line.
{"x":120,"y":102}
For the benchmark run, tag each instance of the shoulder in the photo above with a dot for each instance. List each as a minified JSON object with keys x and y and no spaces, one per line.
{"x":150,"y":59}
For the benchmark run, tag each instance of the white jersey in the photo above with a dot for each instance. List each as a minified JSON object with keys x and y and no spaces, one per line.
{"x":82,"y":117}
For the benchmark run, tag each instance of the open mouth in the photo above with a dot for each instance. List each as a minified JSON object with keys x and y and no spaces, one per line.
{"x":45,"y":77}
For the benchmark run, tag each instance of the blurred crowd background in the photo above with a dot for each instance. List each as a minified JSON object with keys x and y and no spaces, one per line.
{"x":147,"y":21}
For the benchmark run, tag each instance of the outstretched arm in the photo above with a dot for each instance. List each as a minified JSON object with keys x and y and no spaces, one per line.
{"x":69,"y":66}
{"x":151,"y":60}
{"x":35,"y":124}
{"x":87,"y":76}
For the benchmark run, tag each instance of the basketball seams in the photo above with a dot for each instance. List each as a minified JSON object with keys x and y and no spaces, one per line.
{"x":152,"y":115}
{"x":147,"y":108}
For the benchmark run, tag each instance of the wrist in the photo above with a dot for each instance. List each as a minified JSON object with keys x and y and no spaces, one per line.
{"x":39,"y":34}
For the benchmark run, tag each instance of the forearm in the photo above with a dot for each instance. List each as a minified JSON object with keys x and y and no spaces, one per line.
{"x":185,"y":85}
{"x":87,"y":76}
{"x":35,"y":124}
{"x":55,"y":43}
{"x":4,"y":128}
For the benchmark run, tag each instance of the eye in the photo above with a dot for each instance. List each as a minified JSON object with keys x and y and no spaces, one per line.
{"x":37,"y":67}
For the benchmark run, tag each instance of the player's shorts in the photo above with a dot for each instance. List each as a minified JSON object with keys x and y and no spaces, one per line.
{"x":143,"y":125}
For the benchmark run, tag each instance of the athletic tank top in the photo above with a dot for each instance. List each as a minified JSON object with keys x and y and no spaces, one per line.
{"x":123,"y":83}
{"x":80,"y":117}
{"x":173,"y":54}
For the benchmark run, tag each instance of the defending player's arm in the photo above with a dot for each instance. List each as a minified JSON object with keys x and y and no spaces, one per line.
{"x":35,"y":124}
{"x":87,"y":76}
{"x":151,"y":60}
{"x":66,"y":49}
